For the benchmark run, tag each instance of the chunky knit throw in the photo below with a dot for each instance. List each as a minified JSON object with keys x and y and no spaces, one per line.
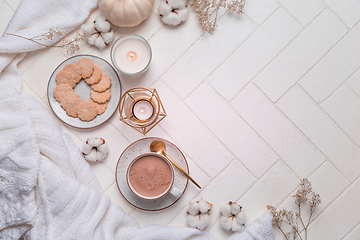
{"x":47,"y":189}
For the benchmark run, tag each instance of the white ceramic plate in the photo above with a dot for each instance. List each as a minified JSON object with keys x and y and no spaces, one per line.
{"x":140,"y":147}
{"x":83,"y":89}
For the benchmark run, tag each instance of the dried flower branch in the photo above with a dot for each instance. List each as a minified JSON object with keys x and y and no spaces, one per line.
{"x":70,"y":45}
{"x":207,"y":11}
{"x":303,"y":195}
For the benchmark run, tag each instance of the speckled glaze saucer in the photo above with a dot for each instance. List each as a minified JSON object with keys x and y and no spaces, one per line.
{"x":83,"y":89}
{"x":138,"y":148}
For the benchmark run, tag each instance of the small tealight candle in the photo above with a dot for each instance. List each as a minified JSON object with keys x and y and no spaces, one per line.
{"x":131,"y":54}
{"x":143,"y":110}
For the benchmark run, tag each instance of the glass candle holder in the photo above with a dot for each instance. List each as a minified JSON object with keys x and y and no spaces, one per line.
{"x":131,"y":54}
{"x":141,"y":109}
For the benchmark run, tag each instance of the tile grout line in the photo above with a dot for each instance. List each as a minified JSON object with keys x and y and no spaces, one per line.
{"x":234,"y":51}
{"x":209,"y":130}
{"x":320,"y":59}
{"x":309,"y":138}
{"x":290,"y":122}
{"x":285,"y":47}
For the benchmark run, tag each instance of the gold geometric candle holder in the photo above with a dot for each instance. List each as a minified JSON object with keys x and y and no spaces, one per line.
{"x":141,"y":109}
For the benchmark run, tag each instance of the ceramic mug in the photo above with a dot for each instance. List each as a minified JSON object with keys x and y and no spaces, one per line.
{"x":151,"y":176}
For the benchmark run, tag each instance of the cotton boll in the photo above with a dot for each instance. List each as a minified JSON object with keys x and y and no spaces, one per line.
{"x":232,"y":218}
{"x":241,"y":218}
{"x":203,"y":222}
{"x":226,"y":210}
{"x":204,"y":206}
{"x":86,"y":149}
{"x":103,"y":148}
{"x":192,"y":220}
{"x":193,"y":208}
{"x":226,"y":222}
{"x":92,"y":156}
{"x":183,"y":14}
{"x":88,"y":29}
{"x":100,"y":156}
{"x":99,"y":32}
{"x":173,"y":12}
{"x":108,"y":36}
{"x":235,"y":209}
{"x":198,"y":214}
{"x":102,"y":25}
{"x":95,"y":149}
{"x":164,"y":8}
{"x":236,"y":226}
{"x":95,"y":141}
{"x":91,"y":40}
{"x":99,"y":42}
{"x":177,"y":4}
{"x":171,"y":19}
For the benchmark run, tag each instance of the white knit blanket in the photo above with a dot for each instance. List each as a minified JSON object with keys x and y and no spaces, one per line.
{"x":47,"y":189}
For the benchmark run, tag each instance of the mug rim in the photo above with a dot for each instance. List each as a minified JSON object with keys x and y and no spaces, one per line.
{"x":160,"y":195}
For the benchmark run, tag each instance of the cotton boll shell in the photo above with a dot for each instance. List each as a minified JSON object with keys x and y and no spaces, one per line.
{"x":88,"y":28}
{"x":193,"y":208}
{"x":192,"y":220}
{"x":92,"y":156}
{"x":164,"y":8}
{"x":182,"y":14}
{"x":108,"y":37}
{"x":171,"y":19}
{"x":203,"y":221}
{"x":102,"y":25}
{"x":226,"y":222}
{"x":177,"y":4}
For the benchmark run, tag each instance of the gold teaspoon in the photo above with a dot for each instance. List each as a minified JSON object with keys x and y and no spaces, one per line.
{"x":159,"y":147}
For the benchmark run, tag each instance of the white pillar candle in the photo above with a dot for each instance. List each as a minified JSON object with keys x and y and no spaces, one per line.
{"x":131,"y":54}
{"x":143,"y":110}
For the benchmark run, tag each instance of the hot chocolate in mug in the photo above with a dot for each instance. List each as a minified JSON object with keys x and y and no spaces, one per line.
{"x":151,"y":176}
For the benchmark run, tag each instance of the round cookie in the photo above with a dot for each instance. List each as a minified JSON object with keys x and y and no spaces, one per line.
{"x":64,"y":77}
{"x":102,"y":97}
{"x":86,"y":66}
{"x":87,"y":111}
{"x":75,"y":70}
{"x":101,"y":108}
{"x":103,"y":84}
{"x":95,"y":77}
{"x":60,"y":90}
{"x":67,"y":95}
{"x":71,"y":104}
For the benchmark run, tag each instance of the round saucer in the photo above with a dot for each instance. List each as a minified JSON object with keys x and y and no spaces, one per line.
{"x":83,"y":89}
{"x":140,"y":147}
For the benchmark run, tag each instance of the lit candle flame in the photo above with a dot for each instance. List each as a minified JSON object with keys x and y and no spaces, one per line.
{"x":132,"y":56}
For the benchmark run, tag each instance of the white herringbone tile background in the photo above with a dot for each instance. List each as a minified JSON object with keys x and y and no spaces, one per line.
{"x":272,"y":96}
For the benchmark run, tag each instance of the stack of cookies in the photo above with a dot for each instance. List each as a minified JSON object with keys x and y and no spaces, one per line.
{"x":70,"y":101}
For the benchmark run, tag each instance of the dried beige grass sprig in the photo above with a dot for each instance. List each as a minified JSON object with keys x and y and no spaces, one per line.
{"x":303,"y":195}
{"x":207,"y":11}
{"x":70,"y":45}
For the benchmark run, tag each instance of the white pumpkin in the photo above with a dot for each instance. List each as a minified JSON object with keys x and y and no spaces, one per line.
{"x":126,"y":13}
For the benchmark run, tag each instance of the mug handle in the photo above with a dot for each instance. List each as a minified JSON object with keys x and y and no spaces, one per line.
{"x":175,"y":192}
